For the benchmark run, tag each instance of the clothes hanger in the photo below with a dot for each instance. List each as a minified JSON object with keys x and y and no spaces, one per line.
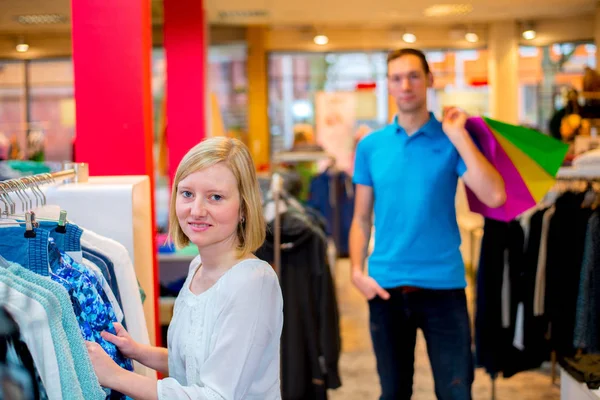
{"x":41,"y":211}
{"x":46,"y":212}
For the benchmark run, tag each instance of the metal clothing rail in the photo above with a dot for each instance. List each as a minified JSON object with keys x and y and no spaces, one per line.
{"x":73,"y":172}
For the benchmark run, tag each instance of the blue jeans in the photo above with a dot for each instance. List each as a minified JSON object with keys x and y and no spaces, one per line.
{"x":442,"y":316}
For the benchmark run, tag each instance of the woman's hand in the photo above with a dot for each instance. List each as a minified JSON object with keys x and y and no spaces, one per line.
{"x":129,"y":347}
{"x":104,"y":366}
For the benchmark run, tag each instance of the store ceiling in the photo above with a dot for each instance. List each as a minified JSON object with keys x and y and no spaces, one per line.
{"x":318,"y":13}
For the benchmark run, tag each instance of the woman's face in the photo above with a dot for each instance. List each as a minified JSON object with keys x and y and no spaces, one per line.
{"x":208,"y":207}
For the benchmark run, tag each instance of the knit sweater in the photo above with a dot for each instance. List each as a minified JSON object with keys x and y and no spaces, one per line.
{"x":75,"y":351}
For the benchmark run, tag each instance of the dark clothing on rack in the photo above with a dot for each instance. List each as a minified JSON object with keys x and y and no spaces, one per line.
{"x":533,"y":350}
{"x":519,"y":345}
{"x":501,"y":247}
{"x":311,"y":341}
{"x":16,"y":363}
{"x":566,"y":239}
{"x":569,"y":313}
{"x":443,"y":317}
{"x":332,"y":194}
{"x":587,"y":327}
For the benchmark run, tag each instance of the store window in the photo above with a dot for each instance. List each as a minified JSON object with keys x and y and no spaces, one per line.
{"x":12,"y":109}
{"x":227,"y":84}
{"x":460,"y":79}
{"x":297,"y":79}
{"x":52,"y":107}
{"x":545,"y":74}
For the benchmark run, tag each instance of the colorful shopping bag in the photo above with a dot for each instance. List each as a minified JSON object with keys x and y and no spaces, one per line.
{"x":527,"y":160}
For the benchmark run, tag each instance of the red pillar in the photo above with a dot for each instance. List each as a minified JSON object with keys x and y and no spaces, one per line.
{"x":112,"y":44}
{"x":185,"y":41}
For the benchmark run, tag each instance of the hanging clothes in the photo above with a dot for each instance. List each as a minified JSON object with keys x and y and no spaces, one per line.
{"x":587,"y":317}
{"x":116,"y":255}
{"x":48,"y":254}
{"x":566,"y":239}
{"x":311,"y":342}
{"x":332,"y":194}
{"x":20,"y":377}
{"x":537,"y":285}
{"x":501,"y":257}
{"x":63,"y":309}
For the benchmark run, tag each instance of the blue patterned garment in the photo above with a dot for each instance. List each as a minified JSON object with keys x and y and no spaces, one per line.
{"x":93,"y":310}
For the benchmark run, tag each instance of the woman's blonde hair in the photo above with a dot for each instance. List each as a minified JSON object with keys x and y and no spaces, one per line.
{"x":236,"y":156}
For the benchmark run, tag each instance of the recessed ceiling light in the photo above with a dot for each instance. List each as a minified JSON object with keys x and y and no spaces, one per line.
{"x":471,"y":37}
{"x":321,"y":40}
{"x":529,"y":34}
{"x":445,"y":10}
{"x":41,"y":19}
{"x":409,"y":37}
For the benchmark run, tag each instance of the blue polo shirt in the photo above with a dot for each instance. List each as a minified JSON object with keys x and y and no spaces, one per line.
{"x":414,"y":182}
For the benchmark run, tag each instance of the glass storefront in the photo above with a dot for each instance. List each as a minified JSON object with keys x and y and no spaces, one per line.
{"x":12,"y":108}
{"x":460,"y":78}
{"x":296,"y":79}
{"x":36,"y":99}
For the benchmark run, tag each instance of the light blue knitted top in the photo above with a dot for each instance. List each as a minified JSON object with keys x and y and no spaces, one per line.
{"x":77,"y":377}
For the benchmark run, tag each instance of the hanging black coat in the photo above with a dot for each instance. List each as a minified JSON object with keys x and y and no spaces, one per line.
{"x":566,"y":240}
{"x":311,"y":342}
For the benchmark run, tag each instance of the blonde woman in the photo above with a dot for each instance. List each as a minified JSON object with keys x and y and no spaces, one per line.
{"x":223,"y":341}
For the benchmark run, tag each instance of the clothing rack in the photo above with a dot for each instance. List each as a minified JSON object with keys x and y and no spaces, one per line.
{"x":72,"y":173}
{"x":565,"y":174}
{"x":312,"y":156}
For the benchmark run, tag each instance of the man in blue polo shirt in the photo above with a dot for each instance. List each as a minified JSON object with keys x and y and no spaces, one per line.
{"x":407,"y":174}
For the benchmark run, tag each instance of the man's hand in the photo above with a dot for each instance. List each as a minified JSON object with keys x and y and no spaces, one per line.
{"x":367,"y":286}
{"x":453,"y":123}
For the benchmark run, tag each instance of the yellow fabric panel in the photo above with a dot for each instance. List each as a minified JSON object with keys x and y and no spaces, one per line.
{"x":538,"y":181}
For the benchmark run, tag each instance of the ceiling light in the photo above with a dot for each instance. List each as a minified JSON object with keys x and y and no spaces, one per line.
{"x":22,"y":46}
{"x":409,"y":37}
{"x":471,"y":37}
{"x":529,"y":34}
{"x":41,"y":19}
{"x":445,"y":10}
{"x":321,"y":40}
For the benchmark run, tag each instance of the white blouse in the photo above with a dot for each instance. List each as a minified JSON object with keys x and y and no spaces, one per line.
{"x":224,"y":343}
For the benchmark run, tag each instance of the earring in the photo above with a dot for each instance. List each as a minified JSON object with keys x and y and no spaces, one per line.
{"x":242,"y":220}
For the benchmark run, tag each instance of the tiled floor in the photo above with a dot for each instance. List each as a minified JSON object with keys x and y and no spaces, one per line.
{"x":357,"y":363}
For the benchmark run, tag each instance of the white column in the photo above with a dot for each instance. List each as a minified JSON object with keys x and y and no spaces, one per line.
{"x":503,"y":70}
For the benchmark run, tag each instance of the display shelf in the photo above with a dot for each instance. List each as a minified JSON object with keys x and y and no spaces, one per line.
{"x":570,"y":389}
